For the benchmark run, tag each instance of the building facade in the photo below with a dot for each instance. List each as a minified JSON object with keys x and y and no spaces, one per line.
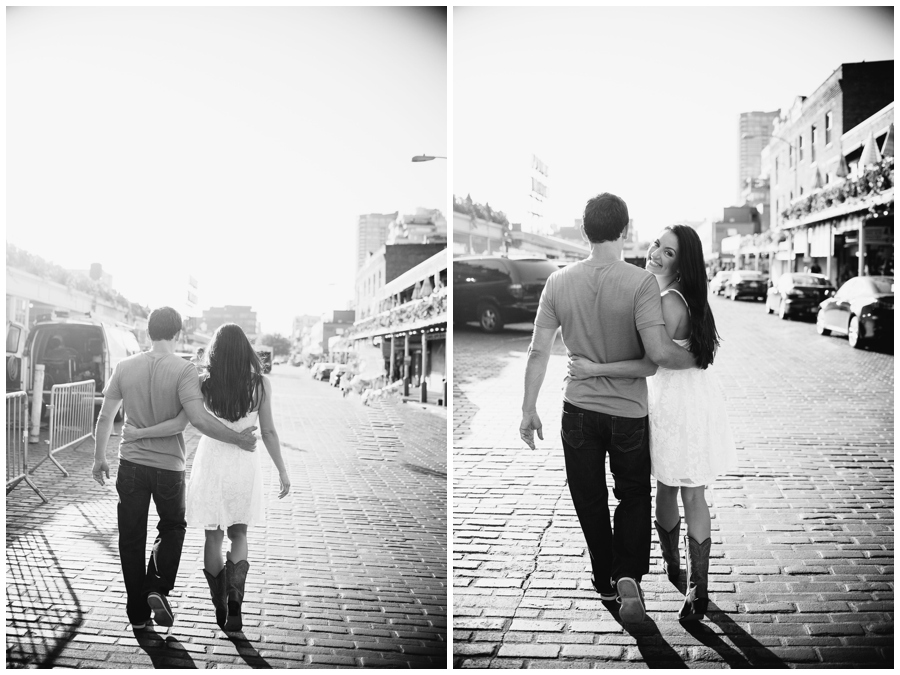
{"x":830,"y":171}
{"x":385,"y":265}
{"x":407,"y":320}
{"x":331,"y":324}
{"x":754,"y":131}
{"x":371,"y":234}
{"x":242,"y":315}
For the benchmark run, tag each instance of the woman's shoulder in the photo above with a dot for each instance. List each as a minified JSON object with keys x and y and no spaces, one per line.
{"x":673,"y":301}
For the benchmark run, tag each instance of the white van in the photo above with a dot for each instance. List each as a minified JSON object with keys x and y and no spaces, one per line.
{"x":73,"y":350}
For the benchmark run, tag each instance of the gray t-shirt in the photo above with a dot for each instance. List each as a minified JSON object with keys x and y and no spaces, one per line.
{"x":601,"y":308}
{"x":154,"y":388}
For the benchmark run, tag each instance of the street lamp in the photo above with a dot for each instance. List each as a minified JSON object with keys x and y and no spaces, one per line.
{"x":426,"y":158}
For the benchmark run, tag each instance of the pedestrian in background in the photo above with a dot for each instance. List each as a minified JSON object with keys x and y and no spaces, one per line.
{"x":607,"y":309}
{"x":154,"y":386}
{"x":690,"y":438}
{"x":225,"y":491}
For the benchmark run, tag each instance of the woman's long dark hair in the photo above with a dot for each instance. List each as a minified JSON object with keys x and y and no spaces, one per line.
{"x":695,"y":287}
{"x":234,"y":381}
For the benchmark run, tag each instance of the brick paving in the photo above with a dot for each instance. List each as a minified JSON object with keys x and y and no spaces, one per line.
{"x":349,"y":571}
{"x":801,"y":574}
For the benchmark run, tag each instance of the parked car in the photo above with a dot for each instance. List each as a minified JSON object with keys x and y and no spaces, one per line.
{"x":495,"y":291}
{"x":340,"y":371}
{"x":746,"y":284}
{"x":862,"y":309}
{"x":717,"y":283}
{"x":798,"y":294}
{"x":73,"y":350}
{"x":321,"y":371}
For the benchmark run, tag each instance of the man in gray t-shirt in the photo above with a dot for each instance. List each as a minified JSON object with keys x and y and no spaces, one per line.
{"x":154,"y":387}
{"x":609,"y":311}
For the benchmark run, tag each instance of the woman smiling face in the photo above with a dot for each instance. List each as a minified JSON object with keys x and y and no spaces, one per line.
{"x":662,"y":256}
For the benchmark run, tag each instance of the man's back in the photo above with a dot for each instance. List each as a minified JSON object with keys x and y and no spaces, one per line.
{"x":153,"y":387}
{"x":601,"y":307}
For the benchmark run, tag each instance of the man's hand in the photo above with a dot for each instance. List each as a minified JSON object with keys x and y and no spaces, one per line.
{"x":100,"y":468}
{"x":579,"y":368}
{"x":248,"y":440}
{"x":531,"y":422}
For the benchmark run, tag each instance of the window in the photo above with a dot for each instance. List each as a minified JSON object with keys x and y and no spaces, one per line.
{"x":776,"y":170}
{"x":828,"y":123}
{"x":800,"y":148}
{"x":812,"y":144}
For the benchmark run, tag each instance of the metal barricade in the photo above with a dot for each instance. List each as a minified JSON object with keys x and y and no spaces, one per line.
{"x":17,"y":443}
{"x":71,"y":413}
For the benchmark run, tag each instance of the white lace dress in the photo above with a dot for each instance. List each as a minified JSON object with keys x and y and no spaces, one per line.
{"x":226,"y":484}
{"x":690,"y":438}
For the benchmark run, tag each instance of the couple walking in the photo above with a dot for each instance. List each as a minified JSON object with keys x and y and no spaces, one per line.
{"x":161,"y":393}
{"x":637,"y":343}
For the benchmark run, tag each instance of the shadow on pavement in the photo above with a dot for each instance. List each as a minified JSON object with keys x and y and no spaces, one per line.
{"x":424,"y":470}
{"x":247,"y":651}
{"x":42,"y":607}
{"x":165,"y":651}
{"x":754,"y":654}
{"x":656,"y":652}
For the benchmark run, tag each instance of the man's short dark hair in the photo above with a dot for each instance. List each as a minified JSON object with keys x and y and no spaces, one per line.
{"x":605,"y":217}
{"x":164,"y":324}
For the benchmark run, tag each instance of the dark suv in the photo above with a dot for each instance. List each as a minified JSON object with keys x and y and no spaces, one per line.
{"x":495,"y":291}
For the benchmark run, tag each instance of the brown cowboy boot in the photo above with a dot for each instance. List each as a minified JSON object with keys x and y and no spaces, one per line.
{"x":219,"y":593}
{"x":236,"y":576}
{"x":696,"y":601}
{"x":668,"y":545}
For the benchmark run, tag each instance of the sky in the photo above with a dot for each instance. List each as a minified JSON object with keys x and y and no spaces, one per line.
{"x":641,"y":102}
{"x":236,"y":145}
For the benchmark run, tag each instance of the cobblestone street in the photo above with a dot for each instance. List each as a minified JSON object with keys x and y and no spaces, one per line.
{"x":350,"y":569}
{"x":802,"y":557}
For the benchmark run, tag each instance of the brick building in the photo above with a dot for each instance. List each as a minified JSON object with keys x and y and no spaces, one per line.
{"x":821,"y":204}
{"x":807,"y":148}
{"x":385,"y":265}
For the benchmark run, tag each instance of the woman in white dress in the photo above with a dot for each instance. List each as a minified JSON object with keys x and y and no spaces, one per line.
{"x":690,"y":438}
{"x":225,"y":489}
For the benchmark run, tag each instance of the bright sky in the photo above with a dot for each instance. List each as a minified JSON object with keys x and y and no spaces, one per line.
{"x":642,"y":102}
{"x":237,"y":145}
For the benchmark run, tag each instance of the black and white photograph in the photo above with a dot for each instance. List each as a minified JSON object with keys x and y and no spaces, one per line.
{"x":226,"y":346}
{"x":673,"y":309}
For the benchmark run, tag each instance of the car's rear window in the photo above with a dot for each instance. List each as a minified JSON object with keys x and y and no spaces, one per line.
{"x":883,"y":284}
{"x":752,"y":276}
{"x":809,"y":280}
{"x":532,"y":271}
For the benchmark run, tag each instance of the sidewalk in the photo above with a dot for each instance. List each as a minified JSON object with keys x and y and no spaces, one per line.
{"x":350,"y":569}
{"x":801,"y":573}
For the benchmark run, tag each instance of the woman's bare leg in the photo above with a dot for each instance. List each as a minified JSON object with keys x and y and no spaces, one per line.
{"x":696,"y":512}
{"x":666,"y":506}
{"x":238,"y":536}
{"x":212,"y":551}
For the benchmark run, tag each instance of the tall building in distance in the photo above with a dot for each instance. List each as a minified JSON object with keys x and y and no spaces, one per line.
{"x":242,"y":315}
{"x":754,"y":131}
{"x":371,"y":234}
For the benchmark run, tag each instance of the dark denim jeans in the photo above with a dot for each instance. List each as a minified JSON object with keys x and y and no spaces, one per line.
{"x":587,"y":436}
{"x":136,"y":484}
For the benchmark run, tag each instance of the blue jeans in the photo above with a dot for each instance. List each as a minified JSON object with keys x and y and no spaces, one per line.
{"x":136,"y":484}
{"x":587,"y":437}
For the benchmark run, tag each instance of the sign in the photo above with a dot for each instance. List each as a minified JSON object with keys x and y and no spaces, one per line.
{"x":879,"y":235}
